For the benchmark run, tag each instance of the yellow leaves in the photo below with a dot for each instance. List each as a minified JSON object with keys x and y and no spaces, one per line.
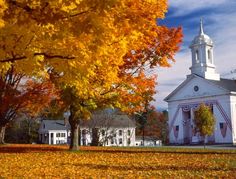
{"x":69,"y":5}
{"x":43,"y":161}
{"x":3,"y":7}
{"x":86,"y":42}
{"x":5,"y":67}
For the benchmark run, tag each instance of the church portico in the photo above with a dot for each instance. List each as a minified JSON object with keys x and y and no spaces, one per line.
{"x":181,"y":127}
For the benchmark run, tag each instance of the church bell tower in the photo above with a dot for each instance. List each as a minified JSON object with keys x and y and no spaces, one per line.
{"x":202,"y":56}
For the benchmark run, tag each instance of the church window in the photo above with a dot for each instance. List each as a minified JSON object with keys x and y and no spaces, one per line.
{"x":221,"y":125}
{"x":187,"y":114}
{"x":209,"y":55}
{"x":197,"y":55}
{"x":212,"y":109}
{"x":196,"y":88}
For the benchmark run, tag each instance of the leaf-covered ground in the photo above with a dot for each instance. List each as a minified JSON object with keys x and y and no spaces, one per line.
{"x":42,"y":161}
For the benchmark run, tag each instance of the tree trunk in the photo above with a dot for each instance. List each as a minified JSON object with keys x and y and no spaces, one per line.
{"x":29,"y":133}
{"x":143,"y":136}
{"x":2,"y":134}
{"x":204,"y":142}
{"x":74,"y":125}
{"x":74,"y":143}
{"x":95,"y":137}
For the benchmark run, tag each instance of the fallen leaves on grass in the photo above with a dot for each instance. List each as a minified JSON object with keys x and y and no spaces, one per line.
{"x":101,"y":162}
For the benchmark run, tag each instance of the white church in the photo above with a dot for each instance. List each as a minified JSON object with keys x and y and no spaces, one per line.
{"x":203,"y":85}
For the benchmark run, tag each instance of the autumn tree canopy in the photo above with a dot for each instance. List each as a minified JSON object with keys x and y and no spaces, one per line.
{"x":97,"y":52}
{"x":18,"y":97}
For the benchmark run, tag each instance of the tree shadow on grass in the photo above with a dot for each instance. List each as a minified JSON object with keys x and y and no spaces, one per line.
{"x":27,"y":148}
{"x":133,"y":151}
{"x":152,"y":168}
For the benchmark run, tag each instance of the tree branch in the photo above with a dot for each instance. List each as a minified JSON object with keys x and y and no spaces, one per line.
{"x":48,"y":56}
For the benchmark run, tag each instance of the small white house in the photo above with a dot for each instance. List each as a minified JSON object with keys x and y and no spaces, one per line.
{"x":54,"y":132}
{"x":203,"y":85}
{"x":111,"y":130}
{"x":149,"y":141}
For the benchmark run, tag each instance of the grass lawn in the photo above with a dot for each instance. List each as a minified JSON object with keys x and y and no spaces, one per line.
{"x":43,"y":161}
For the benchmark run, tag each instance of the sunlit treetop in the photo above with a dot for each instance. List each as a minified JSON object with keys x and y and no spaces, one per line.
{"x":87,"y":43}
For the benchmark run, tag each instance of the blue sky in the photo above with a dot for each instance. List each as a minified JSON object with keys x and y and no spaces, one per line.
{"x":219,"y":19}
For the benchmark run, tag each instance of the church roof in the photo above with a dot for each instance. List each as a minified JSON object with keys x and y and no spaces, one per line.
{"x":226,"y":84}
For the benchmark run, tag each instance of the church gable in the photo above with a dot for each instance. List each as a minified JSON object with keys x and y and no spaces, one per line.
{"x":195,"y":87}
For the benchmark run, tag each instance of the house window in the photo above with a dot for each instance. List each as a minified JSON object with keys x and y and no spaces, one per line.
{"x":112,"y":141}
{"x":129,"y":132}
{"x":44,"y":126}
{"x":120,"y":141}
{"x":221,"y":125}
{"x":103,"y":132}
{"x":84,"y":132}
{"x":57,"y":134}
{"x":63,"y":135}
{"x":83,"y":141}
{"x":113,"y":133}
{"x":129,"y":141}
{"x":120,"y":132}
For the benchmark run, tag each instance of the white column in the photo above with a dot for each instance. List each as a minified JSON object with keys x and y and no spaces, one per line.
{"x":49,"y":138}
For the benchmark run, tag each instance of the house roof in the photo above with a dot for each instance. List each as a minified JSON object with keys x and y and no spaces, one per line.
{"x":117,"y":121}
{"x":112,"y":120}
{"x":227,"y":84}
{"x":55,"y":125}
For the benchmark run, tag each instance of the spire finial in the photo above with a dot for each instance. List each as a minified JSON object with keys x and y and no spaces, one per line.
{"x":201,"y":27}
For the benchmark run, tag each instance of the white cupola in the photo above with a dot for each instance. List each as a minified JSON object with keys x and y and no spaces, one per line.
{"x":202,"y":56}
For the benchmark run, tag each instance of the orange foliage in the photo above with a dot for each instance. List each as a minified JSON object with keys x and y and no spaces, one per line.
{"x":37,"y":96}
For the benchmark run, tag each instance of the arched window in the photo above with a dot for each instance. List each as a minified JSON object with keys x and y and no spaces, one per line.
{"x":197,"y":56}
{"x":209,"y":55}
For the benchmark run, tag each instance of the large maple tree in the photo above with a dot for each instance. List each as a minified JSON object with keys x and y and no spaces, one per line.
{"x":97,"y":52}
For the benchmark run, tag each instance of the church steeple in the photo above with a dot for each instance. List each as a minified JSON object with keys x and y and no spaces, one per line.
{"x":201,"y":32}
{"x":202,"y":56}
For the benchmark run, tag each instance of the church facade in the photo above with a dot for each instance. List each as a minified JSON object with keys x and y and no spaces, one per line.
{"x":203,"y":85}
